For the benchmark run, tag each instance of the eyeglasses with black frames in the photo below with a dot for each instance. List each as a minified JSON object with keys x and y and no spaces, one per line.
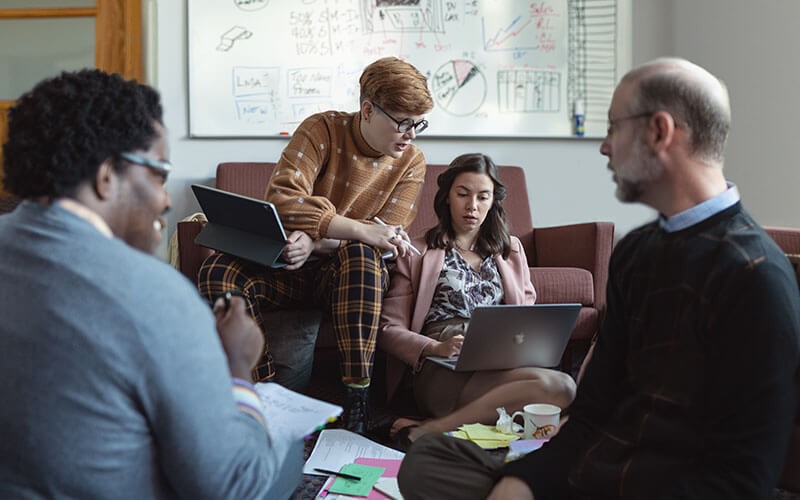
{"x":403,"y":126}
{"x":613,"y":122}
{"x":162,"y":167}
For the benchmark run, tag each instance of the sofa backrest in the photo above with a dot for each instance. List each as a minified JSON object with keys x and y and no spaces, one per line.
{"x":245,"y":178}
{"x":251,"y":179}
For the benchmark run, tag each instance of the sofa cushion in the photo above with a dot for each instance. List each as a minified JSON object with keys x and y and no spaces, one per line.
{"x":557,"y":285}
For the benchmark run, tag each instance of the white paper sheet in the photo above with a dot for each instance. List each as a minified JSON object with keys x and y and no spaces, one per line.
{"x":291,"y":413}
{"x":337,"y":447}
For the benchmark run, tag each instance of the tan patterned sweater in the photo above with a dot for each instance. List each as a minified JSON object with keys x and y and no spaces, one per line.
{"x":328,"y":168}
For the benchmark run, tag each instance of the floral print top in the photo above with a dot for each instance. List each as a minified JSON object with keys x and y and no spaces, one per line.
{"x":460,"y":288}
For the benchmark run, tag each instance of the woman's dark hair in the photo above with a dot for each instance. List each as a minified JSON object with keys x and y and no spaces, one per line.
{"x":65,"y":127}
{"x":493,"y":237}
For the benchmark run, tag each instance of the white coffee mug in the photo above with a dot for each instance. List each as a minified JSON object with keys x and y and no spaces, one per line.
{"x":540,"y":420}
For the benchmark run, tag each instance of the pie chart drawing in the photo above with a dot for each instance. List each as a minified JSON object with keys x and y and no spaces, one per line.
{"x":459,"y":87}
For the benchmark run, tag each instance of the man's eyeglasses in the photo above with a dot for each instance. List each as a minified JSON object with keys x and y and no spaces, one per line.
{"x":615,"y":121}
{"x":403,"y":126}
{"x":162,"y":167}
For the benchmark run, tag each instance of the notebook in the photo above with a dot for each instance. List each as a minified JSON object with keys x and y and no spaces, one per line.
{"x":501,"y":337}
{"x":238,"y":225}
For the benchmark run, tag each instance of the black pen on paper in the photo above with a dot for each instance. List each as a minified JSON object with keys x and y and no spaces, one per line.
{"x":354,"y":478}
{"x":338,"y":474}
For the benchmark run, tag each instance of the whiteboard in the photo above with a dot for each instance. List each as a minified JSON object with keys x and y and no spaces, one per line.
{"x":496,"y":68}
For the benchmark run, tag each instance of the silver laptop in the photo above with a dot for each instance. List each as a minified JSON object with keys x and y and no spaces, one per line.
{"x":510,"y":336}
{"x":245,"y":227}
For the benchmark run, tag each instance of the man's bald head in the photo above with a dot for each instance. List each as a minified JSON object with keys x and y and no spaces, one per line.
{"x":696,"y":99}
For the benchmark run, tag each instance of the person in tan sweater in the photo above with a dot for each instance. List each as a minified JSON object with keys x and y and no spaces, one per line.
{"x":345,"y":187}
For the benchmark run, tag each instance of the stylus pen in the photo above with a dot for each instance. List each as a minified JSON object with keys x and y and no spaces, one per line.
{"x":338,"y":474}
{"x":407,"y":244}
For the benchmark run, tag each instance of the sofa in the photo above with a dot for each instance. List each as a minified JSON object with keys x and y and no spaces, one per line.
{"x":789,"y":241}
{"x":567,"y":264}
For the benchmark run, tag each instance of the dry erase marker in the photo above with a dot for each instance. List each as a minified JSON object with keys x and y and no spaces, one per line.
{"x":579,"y":119}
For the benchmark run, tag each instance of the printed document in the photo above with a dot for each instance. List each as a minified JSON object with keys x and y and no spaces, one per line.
{"x":289,"y":413}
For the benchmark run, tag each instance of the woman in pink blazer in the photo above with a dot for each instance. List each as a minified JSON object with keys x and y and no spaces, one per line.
{"x":468,"y":259}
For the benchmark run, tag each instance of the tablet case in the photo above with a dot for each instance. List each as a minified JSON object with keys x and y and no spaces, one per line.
{"x":238,"y":225}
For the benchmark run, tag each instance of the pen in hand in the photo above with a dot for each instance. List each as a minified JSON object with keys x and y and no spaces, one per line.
{"x":406,"y":243}
{"x":227,"y":296}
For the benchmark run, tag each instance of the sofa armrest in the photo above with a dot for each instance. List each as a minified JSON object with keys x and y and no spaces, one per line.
{"x":587,"y":245}
{"x":788,"y":238}
{"x":190,"y":255}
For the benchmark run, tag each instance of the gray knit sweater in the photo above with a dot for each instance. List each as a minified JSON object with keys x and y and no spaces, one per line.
{"x":113,"y":381}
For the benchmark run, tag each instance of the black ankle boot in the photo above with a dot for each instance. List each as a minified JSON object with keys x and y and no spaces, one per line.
{"x":356,"y":405}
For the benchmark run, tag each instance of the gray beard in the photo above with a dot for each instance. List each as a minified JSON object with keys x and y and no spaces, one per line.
{"x":630,"y":191}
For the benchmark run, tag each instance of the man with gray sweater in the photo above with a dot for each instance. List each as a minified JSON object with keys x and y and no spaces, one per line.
{"x":117,"y":379}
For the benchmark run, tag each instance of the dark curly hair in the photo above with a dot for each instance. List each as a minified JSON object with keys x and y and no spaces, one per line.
{"x":61,"y":131}
{"x":493,"y":237}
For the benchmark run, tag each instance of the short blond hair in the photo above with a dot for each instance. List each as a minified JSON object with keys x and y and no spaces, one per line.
{"x":396,"y":85}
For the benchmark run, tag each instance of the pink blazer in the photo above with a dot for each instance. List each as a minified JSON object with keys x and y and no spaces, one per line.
{"x":410,"y":295}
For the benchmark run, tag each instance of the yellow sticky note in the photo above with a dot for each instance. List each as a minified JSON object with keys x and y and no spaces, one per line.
{"x":459,"y":434}
{"x":486,"y":432}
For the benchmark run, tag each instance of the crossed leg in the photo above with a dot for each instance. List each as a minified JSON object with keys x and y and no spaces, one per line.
{"x":485,"y":391}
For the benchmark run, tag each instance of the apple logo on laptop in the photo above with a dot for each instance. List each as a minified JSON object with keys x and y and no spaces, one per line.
{"x":519,"y":338}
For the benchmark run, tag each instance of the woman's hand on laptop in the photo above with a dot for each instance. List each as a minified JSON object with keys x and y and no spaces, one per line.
{"x":299,"y":246}
{"x":445,"y":349}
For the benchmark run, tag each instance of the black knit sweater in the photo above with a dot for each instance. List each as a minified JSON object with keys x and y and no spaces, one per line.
{"x":690,"y":391}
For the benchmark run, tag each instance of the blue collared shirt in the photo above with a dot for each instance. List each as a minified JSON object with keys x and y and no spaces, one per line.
{"x":701,"y":212}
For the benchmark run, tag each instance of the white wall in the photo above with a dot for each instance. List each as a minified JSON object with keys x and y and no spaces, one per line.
{"x":567,"y":178}
{"x":753,"y":47}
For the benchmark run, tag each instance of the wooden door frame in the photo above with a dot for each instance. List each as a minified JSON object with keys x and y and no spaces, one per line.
{"x":117,"y":47}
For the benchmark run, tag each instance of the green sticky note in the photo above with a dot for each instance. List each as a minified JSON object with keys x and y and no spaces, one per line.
{"x":369,"y":476}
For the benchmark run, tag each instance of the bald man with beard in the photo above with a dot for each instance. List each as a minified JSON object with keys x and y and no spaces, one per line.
{"x":689,"y":392}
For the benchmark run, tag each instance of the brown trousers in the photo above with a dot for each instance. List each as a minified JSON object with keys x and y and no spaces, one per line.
{"x":439,"y":467}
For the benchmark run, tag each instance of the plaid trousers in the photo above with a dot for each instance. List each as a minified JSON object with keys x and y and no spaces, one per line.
{"x":349,"y":286}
